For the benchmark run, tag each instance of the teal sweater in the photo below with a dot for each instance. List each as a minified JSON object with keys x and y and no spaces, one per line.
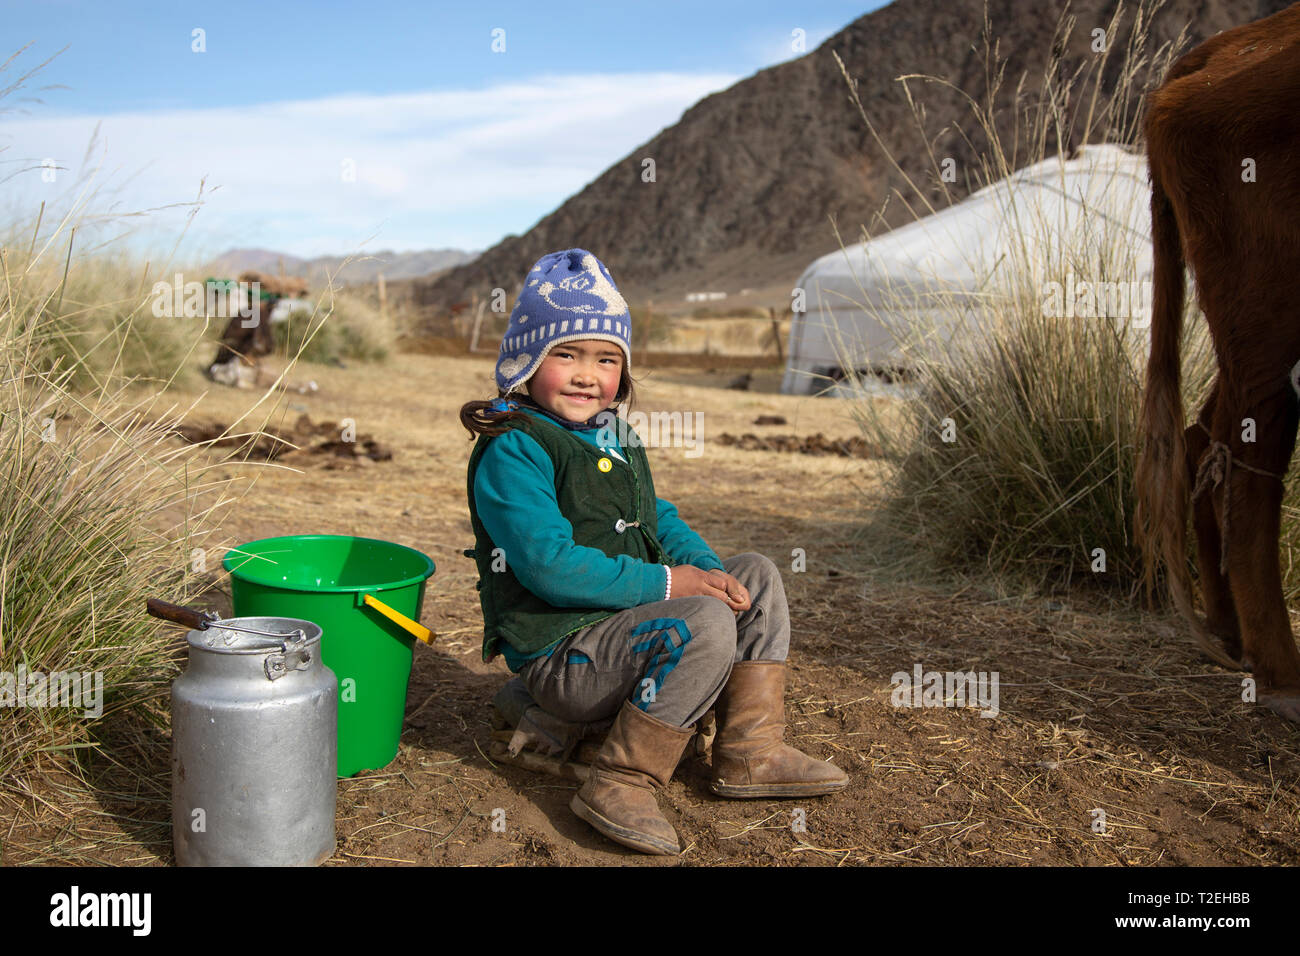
{"x":514,"y":490}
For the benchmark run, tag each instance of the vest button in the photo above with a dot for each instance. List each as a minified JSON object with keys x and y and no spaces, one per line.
{"x":620,"y":525}
{"x":604,"y":464}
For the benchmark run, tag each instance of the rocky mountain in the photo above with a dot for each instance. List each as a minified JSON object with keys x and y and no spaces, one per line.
{"x":363,"y":269}
{"x":748,"y":181}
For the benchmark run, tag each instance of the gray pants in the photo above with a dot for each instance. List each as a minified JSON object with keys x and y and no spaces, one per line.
{"x":670,"y":658}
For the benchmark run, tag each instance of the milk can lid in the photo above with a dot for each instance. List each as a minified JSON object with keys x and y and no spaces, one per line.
{"x":230,"y":635}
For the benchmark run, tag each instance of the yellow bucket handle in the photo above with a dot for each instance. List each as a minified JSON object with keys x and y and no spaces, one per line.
{"x":398,"y":618}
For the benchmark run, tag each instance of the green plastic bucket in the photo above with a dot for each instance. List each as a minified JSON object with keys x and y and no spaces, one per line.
{"x":340,"y":583}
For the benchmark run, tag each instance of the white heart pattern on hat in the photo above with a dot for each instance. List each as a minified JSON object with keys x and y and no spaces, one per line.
{"x":509,"y":368}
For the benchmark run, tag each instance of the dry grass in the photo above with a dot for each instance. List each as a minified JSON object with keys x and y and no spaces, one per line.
{"x":1100,"y":709}
{"x":1016,"y":457}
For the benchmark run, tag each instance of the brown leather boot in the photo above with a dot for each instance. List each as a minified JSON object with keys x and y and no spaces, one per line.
{"x":639,"y":754}
{"x":749,"y":759}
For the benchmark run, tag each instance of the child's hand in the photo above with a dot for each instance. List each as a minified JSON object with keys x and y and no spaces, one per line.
{"x":737,"y":594}
{"x":689,"y":580}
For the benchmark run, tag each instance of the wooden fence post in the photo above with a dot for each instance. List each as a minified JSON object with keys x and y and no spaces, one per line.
{"x":478,"y":321}
{"x":776,"y":334}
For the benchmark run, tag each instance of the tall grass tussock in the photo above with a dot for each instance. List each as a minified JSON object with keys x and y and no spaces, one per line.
{"x":1013,"y":458}
{"x":102,"y":507}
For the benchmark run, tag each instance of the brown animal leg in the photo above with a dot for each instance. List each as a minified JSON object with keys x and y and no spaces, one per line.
{"x":1254,"y":572}
{"x":1220,"y":613}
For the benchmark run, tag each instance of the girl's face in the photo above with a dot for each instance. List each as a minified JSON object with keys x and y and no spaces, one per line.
{"x":578,"y":379}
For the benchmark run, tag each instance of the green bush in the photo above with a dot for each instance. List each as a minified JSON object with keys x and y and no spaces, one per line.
{"x":341,"y":326}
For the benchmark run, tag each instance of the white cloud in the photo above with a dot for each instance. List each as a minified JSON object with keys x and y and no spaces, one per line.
{"x":438,"y":168}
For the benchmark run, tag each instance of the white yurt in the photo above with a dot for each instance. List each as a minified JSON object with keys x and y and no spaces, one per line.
{"x":1075,"y":232}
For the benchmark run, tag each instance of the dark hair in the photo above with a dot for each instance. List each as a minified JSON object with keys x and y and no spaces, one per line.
{"x":478,"y":420}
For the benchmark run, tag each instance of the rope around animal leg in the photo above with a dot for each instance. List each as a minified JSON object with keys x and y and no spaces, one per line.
{"x":1215,"y":469}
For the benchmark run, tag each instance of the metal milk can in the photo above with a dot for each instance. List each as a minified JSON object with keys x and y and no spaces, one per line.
{"x":254,"y":745}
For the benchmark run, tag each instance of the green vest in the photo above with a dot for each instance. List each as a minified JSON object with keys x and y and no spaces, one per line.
{"x":593,"y":499}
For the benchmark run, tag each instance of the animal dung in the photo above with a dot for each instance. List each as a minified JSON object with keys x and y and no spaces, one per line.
{"x":819,"y":444}
{"x":320,"y":440}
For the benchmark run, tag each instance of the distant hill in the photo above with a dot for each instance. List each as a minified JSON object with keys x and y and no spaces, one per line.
{"x":363,"y":269}
{"x":746,"y":180}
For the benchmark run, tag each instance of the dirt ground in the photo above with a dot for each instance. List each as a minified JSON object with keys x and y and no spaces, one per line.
{"x":1114,"y":743}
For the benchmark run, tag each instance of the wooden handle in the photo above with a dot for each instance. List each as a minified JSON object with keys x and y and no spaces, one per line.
{"x":177,"y":613}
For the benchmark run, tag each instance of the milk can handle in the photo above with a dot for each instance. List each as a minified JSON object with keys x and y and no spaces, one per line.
{"x":293,"y":654}
{"x":178,"y":614}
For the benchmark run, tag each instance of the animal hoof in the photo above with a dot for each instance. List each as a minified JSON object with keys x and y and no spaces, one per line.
{"x":1284,"y":705}
{"x":1219,"y":650}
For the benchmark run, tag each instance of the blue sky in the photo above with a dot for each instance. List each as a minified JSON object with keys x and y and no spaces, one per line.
{"x":335,"y":127}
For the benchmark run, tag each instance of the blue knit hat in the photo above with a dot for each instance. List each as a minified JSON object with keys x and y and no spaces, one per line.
{"x":567,"y":296}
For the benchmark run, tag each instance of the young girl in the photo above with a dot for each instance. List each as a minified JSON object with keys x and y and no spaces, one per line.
{"x":598,"y":595}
